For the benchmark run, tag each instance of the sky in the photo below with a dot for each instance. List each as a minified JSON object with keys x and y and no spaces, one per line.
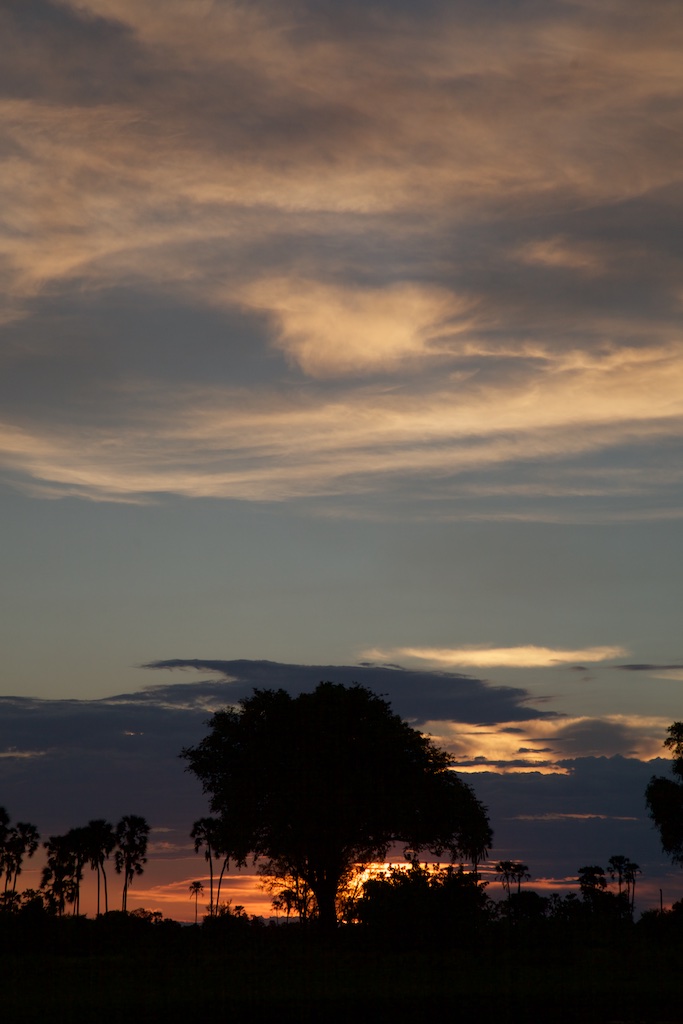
{"x":343,"y":340}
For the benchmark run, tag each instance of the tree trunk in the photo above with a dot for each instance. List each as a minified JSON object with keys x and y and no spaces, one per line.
{"x":326,"y":898}
{"x":220,"y":881}
{"x":211,"y":906}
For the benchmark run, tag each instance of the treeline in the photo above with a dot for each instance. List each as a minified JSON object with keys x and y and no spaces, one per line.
{"x":419,"y":908}
{"x":427,"y":905}
{"x":68,"y":855}
{"x":420,"y":904}
{"x":316,"y":786}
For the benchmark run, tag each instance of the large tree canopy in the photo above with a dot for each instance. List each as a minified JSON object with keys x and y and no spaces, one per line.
{"x":665,"y":798}
{"x":330,"y":779}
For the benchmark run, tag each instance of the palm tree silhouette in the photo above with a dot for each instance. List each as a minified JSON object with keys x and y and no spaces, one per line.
{"x":631,"y":871}
{"x":520,"y":874}
{"x":196,"y":888}
{"x":132,"y":833}
{"x":617,"y":866}
{"x":592,"y":883}
{"x":205,"y":833}
{"x":78,"y":839}
{"x":510,"y":871}
{"x":476,"y":836}
{"x":59,"y":874}
{"x":100,"y":843}
{"x":23,"y":841}
{"x":6,"y":860}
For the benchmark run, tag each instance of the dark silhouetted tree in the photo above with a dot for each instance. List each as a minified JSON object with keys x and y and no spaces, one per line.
{"x":100,"y":841}
{"x":422,"y":905}
{"x":520,"y":874}
{"x":195,"y":890}
{"x":625,"y":872}
{"x":631,"y":872}
{"x":616,"y":866}
{"x":6,"y":855}
{"x":591,"y":880}
{"x":509,"y":871}
{"x":27,"y":839}
{"x":4,"y":827}
{"x":592,"y":883}
{"x":6,"y":852}
{"x":476,"y":837}
{"x":225,"y":864}
{"x":59,"y":876}
{"x":77,"y":838}
{"x":132,"y":833}
{"x":206,"y":833}
{"x":328,"y":780}
{"x":10,"y":901}
{"x":664,"y":798}
{"x":19,"y":841}
{"x":289,"y":891}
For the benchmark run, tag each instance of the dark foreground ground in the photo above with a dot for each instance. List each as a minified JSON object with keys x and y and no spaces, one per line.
{"x":188,"y":974}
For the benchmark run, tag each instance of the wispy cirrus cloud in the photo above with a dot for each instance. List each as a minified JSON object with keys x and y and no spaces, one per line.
{"x":316,"y":203}
{"x":274,"y":446}
{"x":13,"y":753}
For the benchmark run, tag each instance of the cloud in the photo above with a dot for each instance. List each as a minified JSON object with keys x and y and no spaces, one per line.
{"x":593,"y":786}
{"x":67,"y":54}
{"x":418,"y":696}
{"x":485,"y":657}
{"x":559,"y":253}
{"x":275,"y":447}
{"x":672,"y":673}
{"x":548,"y":744}
{"x":334,"y":331}
{"x":557,"y":822}
{"x":417,"y":260}
{"x":12,"y":752}
{"x":648,"y":668}
{"x":244,"y":107}
{"x":576,"y":817}
{"x":483,"y":725}
{"x":64,"y":762}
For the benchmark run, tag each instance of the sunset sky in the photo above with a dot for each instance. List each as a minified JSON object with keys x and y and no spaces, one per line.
{"x":341,"y":335}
